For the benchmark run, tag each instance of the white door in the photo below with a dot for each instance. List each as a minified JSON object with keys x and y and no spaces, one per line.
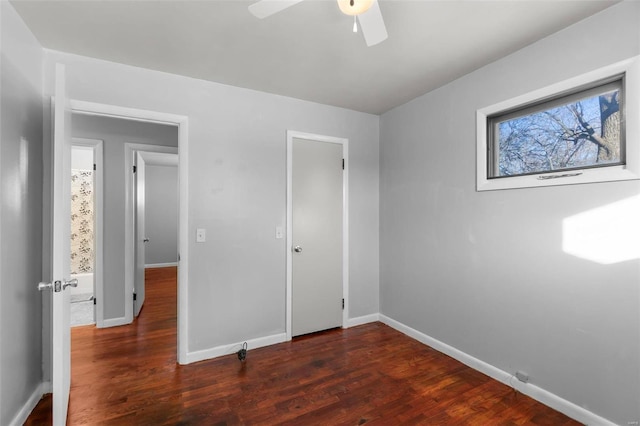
{"x":317,"y":213}
{"x":60,"y":251}
{"x":141,"y":238}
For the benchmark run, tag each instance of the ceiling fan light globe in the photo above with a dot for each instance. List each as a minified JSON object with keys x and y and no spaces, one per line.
{"x":359,"y":6}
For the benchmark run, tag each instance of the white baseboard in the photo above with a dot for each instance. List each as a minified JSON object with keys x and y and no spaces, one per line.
{"x":365,"y":319}
{"x":547,"y":398}
{"x":161,"y":265}
{"x":235,"y":347}
{"x":22,"y":415}
{"x":114,"y":322}
{"x":262,"y":341}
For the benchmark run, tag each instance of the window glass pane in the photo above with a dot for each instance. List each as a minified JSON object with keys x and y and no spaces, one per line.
{"x":576,"y":131}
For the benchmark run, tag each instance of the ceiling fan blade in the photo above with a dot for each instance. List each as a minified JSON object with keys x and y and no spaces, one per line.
{"x":372,"y":25}
{"x":265,"y":8}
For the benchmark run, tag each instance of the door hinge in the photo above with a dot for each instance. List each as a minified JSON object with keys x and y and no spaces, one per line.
{"x":343,"y":164}
{"x":94,"y":301}
{"x":135,"y":296}
{"x":94,"y":167}
{"x":134,"y":169}
{"x":342,"y":303}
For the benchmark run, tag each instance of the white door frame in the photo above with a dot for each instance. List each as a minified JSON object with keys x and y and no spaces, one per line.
{"x":98,"y":232}
{"x":130,"y":150}
{"x":182,"y":122}
{"x":291,"y":134}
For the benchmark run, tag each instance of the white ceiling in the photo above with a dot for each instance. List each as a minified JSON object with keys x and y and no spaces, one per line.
{"x":307,"y":51}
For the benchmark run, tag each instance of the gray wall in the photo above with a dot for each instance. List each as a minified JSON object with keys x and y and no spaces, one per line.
{"x":20,"y":214}
{"x":237,"y":191}
{"x":115,"y":133}
{"x":161,"y":214}
{"x":486,"y":272}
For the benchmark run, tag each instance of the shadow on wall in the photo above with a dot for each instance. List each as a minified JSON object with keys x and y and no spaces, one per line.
{"x":606,"y":235}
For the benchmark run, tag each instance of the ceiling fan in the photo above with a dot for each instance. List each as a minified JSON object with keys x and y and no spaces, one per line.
{"x":367,"y":13}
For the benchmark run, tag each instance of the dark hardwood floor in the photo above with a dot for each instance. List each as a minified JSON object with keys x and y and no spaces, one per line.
{"x":370,"y":374}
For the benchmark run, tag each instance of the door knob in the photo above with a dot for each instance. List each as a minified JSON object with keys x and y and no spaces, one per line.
{"x":70,"y":283}
{"x":297,"y":249}
{"x":44,"y":286}
{"x":56,"y":286}
{"x":146,"y":240}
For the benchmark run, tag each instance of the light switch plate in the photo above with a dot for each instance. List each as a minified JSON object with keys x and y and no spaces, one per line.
{"x":279,"y":233}
{"x":201,"y":235}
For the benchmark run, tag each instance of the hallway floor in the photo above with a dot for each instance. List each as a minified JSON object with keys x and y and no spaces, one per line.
{"x":82,"y":309}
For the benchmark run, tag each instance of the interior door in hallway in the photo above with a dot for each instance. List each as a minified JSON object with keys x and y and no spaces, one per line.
{"x":141,"y":236}
{"x":317,"y":236}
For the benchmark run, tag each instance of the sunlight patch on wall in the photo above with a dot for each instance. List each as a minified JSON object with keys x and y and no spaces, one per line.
{"x":606,"y":235}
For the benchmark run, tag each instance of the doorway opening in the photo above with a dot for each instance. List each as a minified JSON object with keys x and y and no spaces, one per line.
{"x":86,"y":230}
{"x":181,"y":124}
{"x":154,"y":189}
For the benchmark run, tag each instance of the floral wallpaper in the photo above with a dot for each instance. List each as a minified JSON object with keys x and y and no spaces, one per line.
{"x":82,"y":252}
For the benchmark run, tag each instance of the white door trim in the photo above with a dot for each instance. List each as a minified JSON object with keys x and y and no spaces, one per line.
{"x":182,"y":122}
{"x":291,"y":134}
{"x":98,"y":233}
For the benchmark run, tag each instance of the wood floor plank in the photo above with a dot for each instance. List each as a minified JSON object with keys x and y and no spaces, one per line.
{"x":369,"y":374}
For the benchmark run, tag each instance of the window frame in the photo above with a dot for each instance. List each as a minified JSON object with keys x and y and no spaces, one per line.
{"x":628,"y":71}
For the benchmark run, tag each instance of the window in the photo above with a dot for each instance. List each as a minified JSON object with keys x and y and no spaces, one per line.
{"x":572,"y":132}
{"x":580,"y":130}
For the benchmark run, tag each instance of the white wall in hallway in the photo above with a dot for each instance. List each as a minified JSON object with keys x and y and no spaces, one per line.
{"x":161,"y":211}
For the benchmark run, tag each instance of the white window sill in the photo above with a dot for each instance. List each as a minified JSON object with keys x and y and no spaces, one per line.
{"x":569,"y":177}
